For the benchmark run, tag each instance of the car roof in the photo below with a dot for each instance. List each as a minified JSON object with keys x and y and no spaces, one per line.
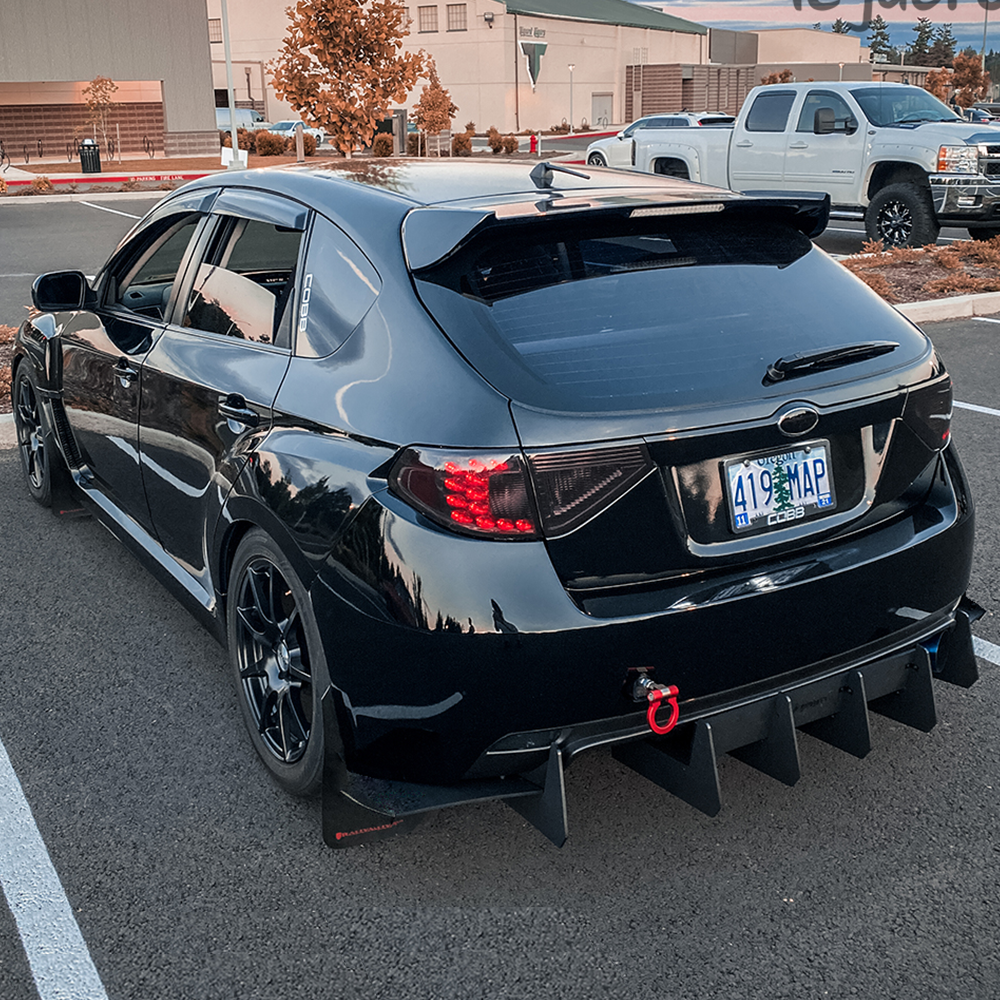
{"x":365,"y":195}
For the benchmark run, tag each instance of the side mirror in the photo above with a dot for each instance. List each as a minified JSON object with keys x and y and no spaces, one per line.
{"x":621,"y":135}
{"x":824,"y":121}
{"x":851,"y":126}
{"x":60,"y":291}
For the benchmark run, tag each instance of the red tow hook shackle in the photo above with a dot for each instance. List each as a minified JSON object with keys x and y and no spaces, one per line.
{"x":656,"y":697}
{"x":656,"y":694}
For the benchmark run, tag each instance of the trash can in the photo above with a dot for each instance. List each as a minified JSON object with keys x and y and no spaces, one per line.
{"x":90,"y":157}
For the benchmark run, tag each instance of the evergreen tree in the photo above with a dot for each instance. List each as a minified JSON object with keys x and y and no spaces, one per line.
{"x":920,"y":47}
{"x":779,"y":483}
{"x":878,"y":40}
{"x":841,"y":27}
{"x":942,"y":50}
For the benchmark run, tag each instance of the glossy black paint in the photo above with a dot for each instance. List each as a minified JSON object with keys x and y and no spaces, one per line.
{"x":443,"y":650}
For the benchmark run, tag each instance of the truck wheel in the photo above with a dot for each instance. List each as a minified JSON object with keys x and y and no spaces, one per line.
{"x":984,"y":234}
{"x":901,"y":215}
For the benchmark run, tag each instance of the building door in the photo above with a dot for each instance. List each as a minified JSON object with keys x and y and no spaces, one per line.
{"x":602,"y":110}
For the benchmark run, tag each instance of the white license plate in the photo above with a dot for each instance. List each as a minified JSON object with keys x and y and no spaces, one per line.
{"x":776,"y":490}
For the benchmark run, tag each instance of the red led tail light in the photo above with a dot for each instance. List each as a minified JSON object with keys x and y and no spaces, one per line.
{"x":490,"y":494}
{"x":484,"y":494}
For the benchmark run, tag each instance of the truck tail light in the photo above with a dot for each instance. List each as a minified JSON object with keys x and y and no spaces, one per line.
{"x":497,"y":495}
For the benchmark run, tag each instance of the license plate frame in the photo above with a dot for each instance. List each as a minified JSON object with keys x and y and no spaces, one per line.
{"x":751,"y":501}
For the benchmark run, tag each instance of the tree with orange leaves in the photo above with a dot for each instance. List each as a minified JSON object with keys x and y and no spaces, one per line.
{"x":938,"y":82}
{"x":969,"y":78}
{"x":340,"y":66}
{"x":434,"y":112}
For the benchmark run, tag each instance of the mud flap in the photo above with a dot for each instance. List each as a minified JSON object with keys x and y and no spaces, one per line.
{"x":360,"y":810}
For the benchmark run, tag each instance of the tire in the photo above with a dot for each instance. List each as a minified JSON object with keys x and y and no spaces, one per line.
{"x":41,"y":462}
{"x":276,"y":657}
{"x":985,"y":234}
{"x":597,"y":160}
{"x":901,"y":215}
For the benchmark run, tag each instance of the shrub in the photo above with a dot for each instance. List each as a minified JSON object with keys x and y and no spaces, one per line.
{"x":131,"y":185}
{"x":560,"y":129}
{"x":244,"y":137}
{"x":270,"y":144}
{"x":470,"y":127}
{"x":3,"y":186}
{"x":494,"y":139}
{"x":309,"y":144}
{"x":41,"y":185}
{"x":510,"y":144}
{"x":461,"y":144}
{"x":416,"y":144}
{"x":383,"y":145}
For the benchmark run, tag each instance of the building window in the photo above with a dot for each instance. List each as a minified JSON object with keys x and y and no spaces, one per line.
{"x":456,"y":17}
{"x":427,"y":19}
{"x":215,"y":29}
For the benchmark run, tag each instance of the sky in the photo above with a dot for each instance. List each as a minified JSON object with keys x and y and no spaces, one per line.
{"x":966,"y":17}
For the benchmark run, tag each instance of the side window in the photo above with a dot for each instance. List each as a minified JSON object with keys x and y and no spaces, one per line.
{"x":339,"y":285}
{"x":770,"y":111}
{"x":817,"y":99}
{"x":146,"y":280}
{"x":641,"y":123}
{"x":244,"y":285}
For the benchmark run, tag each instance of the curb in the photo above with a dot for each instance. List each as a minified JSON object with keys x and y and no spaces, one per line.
{"x":111,"y":178}
{"x":956,"y":307}
{"x":61,"y":199}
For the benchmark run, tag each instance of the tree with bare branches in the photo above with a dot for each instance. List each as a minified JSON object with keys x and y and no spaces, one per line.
{"x":341,"y":66}
{"x":99,"y":95}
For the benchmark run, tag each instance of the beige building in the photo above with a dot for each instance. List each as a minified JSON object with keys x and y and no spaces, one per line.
{"x":505,"y":62}
{"x":157,"y":54}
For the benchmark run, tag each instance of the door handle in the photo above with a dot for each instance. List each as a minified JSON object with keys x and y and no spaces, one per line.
{"x":234,"y":407}
{"x":744,"y":143}
{"x":125,"y":372}
{"x":798,"y":145}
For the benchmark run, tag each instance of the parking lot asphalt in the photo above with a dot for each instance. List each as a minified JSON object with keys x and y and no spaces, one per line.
{"x":191,"y":876}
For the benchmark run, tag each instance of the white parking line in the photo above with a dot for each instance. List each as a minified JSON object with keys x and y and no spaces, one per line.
{"x":986,"y":319}
{"x":58,"y":956}
{"x":114,"y":211}
{"x":986,"y":650}
{"x":977,"y":409}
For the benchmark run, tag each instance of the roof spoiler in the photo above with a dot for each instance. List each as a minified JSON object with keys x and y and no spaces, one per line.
{"x":431,"y":233}
{"x":811,"y":209}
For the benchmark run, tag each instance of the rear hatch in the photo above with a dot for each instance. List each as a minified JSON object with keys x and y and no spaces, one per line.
{"x":673,"y":387}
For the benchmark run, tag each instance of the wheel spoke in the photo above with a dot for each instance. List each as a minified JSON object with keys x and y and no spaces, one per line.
{"x":267,"y":711}
{"x":246,"y":616}
{"x":293,"y":732}
{"x":296,"y":668}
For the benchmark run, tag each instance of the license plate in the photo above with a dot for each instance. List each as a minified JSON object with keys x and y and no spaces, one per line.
{"x":778,"y":489}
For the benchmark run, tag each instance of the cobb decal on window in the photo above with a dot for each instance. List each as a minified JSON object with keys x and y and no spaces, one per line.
{"x":304,"y":304}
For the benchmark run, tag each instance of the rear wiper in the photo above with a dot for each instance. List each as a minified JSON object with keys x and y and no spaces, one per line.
{"x":806,"y":362}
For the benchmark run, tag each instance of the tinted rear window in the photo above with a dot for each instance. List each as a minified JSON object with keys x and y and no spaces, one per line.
{"x":623,"y":314}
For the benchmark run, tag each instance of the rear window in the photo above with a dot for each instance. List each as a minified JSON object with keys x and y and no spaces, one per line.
{"x":612,"y":313}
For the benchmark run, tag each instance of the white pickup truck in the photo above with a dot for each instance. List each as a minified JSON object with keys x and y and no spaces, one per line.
{"x":892,"y":151}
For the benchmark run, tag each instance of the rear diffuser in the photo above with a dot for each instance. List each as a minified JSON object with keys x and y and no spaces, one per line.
{"x":761,"y":732}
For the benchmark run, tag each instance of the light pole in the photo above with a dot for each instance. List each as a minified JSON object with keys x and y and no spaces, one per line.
{"x":571,"y":67}
{"x":841,"y":65}
{"x":986,"y":18}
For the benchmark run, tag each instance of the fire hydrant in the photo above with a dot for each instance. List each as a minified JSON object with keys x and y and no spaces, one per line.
{"x":533,"y":144}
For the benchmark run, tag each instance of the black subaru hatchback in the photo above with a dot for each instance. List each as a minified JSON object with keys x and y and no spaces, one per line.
{"x":474,"y":467}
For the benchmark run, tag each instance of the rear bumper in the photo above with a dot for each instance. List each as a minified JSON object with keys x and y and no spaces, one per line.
{"x":760,"y":729}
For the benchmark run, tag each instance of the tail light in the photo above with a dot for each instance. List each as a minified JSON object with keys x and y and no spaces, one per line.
{"x":928,"y":412}
{"x":496,"y":495}
{"x":485,"y":493}
{"x":571,"y":487}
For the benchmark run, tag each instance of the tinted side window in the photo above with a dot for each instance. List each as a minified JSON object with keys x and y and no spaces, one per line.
{"x":339,"y":285}
{"x":770,"y":111}
{"x":641,"y":123}
{"x":147,"y":273}
{"x":243,"y":288}
{"x":817,"y":99}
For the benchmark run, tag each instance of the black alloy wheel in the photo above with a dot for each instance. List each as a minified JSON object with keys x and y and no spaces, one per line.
{"x":901,"y":215}
{"x":35,"y":446}
{"x":597,"y":160}
{"x":274,"y":651}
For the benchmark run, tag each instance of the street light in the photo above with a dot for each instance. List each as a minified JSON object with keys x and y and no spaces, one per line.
{"x":986,"y":17}
{"x":571,"y":67}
